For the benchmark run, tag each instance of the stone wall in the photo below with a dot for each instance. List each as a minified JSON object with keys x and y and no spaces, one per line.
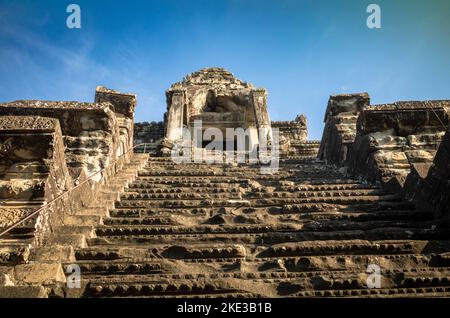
{"x":150,"y":133}
{"x":391,"y":138}
{"x":33,"y":171}
{"x":294,"y":130}
{"x":293,"y":137}
{"x":90,"y":131}
{"x":428,"y":184}
{"x":123,"y":105}
{"x":340,"y":126}
{"x":92,"y":137}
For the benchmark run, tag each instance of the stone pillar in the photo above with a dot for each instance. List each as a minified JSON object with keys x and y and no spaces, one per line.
{"x":174,"y":131}
{"x":259,"y":100}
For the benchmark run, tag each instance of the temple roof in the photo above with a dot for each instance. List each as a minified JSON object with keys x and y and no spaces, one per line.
{"x":214,"y":76}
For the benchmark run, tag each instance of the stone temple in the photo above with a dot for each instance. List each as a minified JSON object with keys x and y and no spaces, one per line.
{"x":219,"y":100}
{"x":92,"y":204}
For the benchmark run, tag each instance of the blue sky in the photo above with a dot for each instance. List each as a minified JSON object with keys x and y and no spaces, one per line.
{"x":301,"y":51}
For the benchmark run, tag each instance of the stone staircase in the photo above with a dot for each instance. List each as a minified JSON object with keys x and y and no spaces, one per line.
{"x":27,"y":270}
{"x":197,"y":230}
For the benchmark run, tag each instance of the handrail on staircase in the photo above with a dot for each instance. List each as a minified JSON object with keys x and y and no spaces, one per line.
{"x":29,"y":216}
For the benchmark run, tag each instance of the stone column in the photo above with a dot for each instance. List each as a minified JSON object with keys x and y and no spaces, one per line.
{"x":174,"y":130}
{"x":259,"y":100}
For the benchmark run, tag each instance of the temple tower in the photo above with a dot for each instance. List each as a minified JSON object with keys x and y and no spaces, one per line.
{"x":219,"y":100}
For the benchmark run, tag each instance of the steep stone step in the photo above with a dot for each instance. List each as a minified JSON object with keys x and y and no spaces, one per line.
{"x":324,"y":284}
{"x":199,"y":288}
{"x":177,"y":218}
{"x":205,"y":189}
{"x":195,"y":230}
{"x":181,"y":196}
{"x":200,"y":229}
{"x":275,"y":237}
{"x":262,"y":252}
{"x":237,"y":202}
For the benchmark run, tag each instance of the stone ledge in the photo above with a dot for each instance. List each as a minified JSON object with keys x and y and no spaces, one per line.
{"x":39,"y":273}
{"x":75,"y":240}
{"x":47,"y":254}
{"x":23,"y":292}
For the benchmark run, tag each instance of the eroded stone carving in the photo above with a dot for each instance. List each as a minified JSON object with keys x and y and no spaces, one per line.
{"x":90,"y":131}
{"x":33,"y":171}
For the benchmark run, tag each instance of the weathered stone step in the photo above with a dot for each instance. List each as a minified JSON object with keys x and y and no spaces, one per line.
{"x":190,"y":186}
{"x":23,"y":234}
{"x":83,"y":220}
{"x":138,"y":252}
{"x":327,"y":187}
{"x":430,"y":281}
{"x":318,"y":194}
{"x":273,"y":268}
{"x":275,"y":237}
{"x":255,"y":202}
{"x":344,"y":247}
{"x":199,"y":229}
{"x":200,"y":288}
{"x":185,"y":187}
{"x":305,"y":209}
{"x":357,"y":251}
{"x":120,"y":230}
{"x":86,"y":230}
{"x":133,"y":217}
{"x":151,"y":182}
{"x":377,"y":293}
{"x":159,"y":212}
{"x":141,"y":221}
{"x":178,"y":193}
{"x":343,"y":225}
{"x":208,"y":188}
{"x":366,"y":207}
{"x":368,"y":216}
{"x":140,"y":228}
{"x":181,"y":196}
{"x":343,"y":279}
{"x":175,"y":173}
{"x":313,"y":179}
